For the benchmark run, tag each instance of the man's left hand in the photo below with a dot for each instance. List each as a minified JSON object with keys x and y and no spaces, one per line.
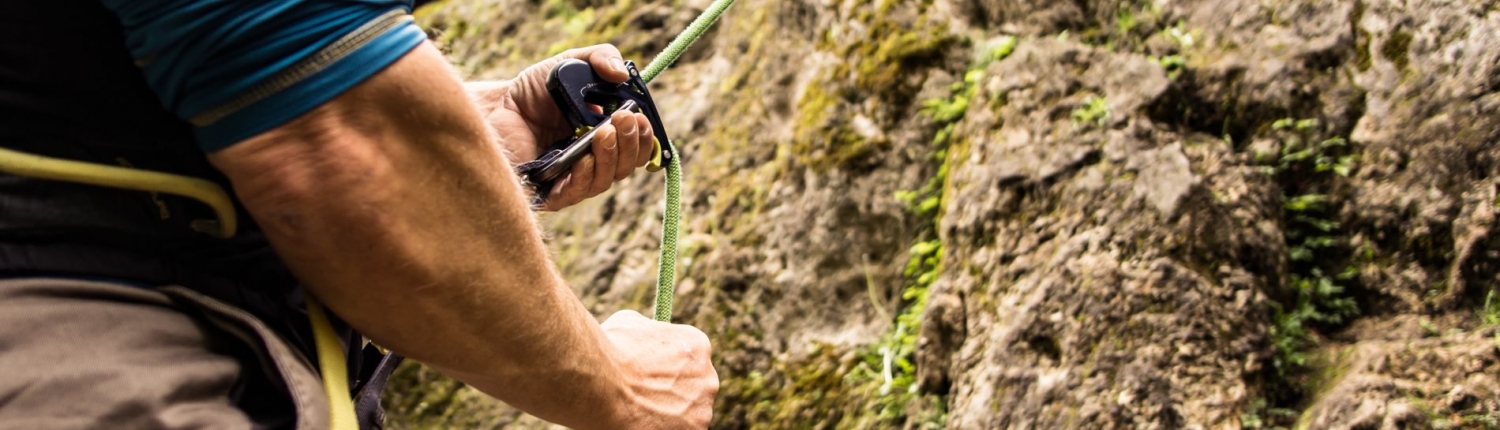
{"x":527,"y":121}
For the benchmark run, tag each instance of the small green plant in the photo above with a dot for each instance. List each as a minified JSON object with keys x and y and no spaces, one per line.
{"x":1319,"y":300}
{"x":1173,"y":64}
{"x":1125,"y":21}
{"x":1429,"y":327}
{"x":1491,"y":314}
{"x":948,"y":111}
{"x":1095,"y":110}
{"x":1319,"y":153}
{"x":997,"y":51}
{"x":1320,"y":262}
{"x":890,"y":361}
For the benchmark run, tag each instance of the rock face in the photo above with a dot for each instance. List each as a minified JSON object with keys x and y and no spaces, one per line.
{"x":1104,"y":283}
{"x":1078,"y":214}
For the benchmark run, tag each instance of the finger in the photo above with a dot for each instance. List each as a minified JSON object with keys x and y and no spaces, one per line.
{"x":606,"y":154}
{"x":608,"y":62}
{"x":558,"y":198}
{"x":629,"y":146}
{"x":580,"y":179}
{"x":605,"y":58}
{"x":645,"y":134}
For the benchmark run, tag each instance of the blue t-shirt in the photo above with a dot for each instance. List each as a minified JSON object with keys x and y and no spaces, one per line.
{"x":235,"y":69}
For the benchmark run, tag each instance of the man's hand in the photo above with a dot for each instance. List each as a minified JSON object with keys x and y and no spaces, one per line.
{"x":671,"y":380}
{"x":522,"y":112}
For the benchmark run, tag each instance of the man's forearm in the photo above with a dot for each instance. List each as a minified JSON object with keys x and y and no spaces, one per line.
{"x":395,"y":207}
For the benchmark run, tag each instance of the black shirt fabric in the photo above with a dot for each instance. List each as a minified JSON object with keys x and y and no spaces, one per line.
{"x":69,"y":89}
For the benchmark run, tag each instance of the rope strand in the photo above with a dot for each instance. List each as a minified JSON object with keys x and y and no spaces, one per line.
{"x":666,"y":278}
{"x":695,"y":30}
{"x":666,"y":275}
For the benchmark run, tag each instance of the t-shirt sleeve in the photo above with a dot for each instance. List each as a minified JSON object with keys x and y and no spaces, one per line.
{"x":237,"y":68}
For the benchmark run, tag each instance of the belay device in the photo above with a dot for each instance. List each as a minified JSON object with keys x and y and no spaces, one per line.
{"x":576,"y":89}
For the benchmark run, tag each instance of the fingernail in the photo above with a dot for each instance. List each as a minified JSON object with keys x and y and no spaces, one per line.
{"x":618,"y":64}
{"x":613,"y":139}
{"x":627,"y":126}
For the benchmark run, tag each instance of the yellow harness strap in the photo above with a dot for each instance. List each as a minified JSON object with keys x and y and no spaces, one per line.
{"x":335,"y":375}
{"x":57,"y":169}
{"x":330,"y":352}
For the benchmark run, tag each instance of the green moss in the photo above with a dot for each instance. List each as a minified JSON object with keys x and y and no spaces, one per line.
{"x":824,"y":139}
{"x":1133,"y":22}
{"x":591,"y":26}
{"x":1173,"y":64}
{"x":483,"y":37}
{"x":418,"y":397}
{"x":1397,"y":48}
{"x":1095,"y":111}
{"x":1327,"y":369}
{"x":422,"y":13}
{"x":881,"y":67}
{"x":740,"y":194}
{"x":892,"y":50}
{"x":883,"y":64}
{"x":809,"y":392}
{"x":1125,"y":21}
{"x":1362,"y":58}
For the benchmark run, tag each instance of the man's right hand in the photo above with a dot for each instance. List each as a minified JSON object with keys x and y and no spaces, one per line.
{"x":523,"y":114}
{"x":666,"y":367}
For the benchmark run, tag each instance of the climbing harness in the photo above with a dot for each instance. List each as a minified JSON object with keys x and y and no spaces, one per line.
{"x":330,"y":352}
{"x":631,"y":95}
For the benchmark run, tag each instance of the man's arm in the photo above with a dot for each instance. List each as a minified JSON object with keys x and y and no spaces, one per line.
{"x":396,"y":208}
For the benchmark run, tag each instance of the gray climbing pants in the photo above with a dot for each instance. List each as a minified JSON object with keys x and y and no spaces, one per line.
{"x":78,"y":354}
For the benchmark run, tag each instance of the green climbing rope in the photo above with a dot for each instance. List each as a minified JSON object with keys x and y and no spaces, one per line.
{"x":666,"y":275}
{"x":686,"y":38}
{"x":671,"y":221}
